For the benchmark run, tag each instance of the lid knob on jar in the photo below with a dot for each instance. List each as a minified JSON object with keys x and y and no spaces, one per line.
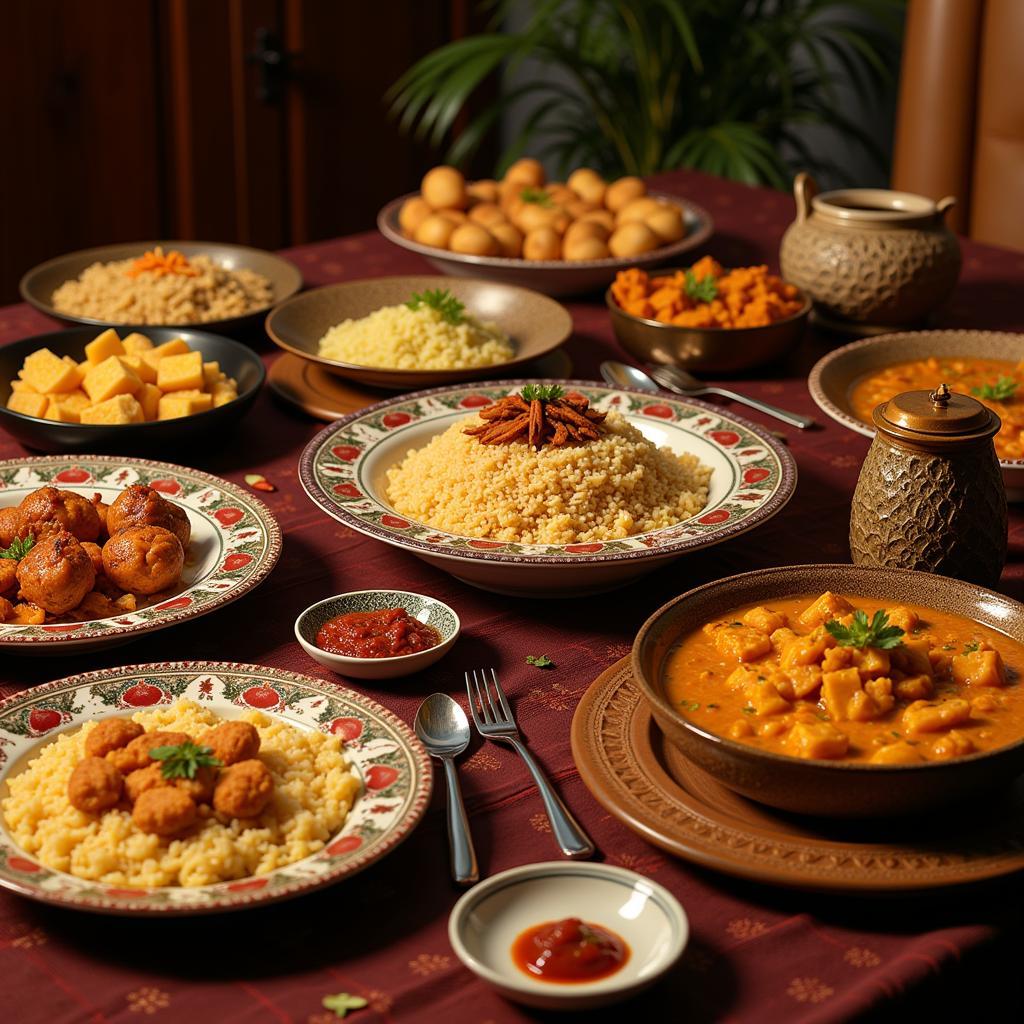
{"x":936,"y":420}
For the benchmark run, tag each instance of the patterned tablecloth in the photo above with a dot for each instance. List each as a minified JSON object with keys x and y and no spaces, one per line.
{"x":757,"y":954}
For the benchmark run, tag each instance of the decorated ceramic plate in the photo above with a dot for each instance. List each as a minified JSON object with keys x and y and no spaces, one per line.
{"x":393,"y":767}
{"x":344,"y":468}
{"x":235,"y":543}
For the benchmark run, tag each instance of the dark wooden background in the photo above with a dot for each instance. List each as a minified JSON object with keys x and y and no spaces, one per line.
{"x":140,"y":119}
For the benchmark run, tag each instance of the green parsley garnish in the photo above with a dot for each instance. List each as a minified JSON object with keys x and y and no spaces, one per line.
{"x":541,"y":392}
{"x":451,"y":310}
{"x":748,"y":710}
{"x":184,"y":760}
{"x":539,"y":661}
{"x":342,"y":1002}
{"x":712,"y":707}
{"x":690,"y":705}
{"x":536,"y":195}
{"x":19,"y":548}
{"x":1003,"y":390}
{"x":700,"y":291}
{"x":860,"y":633}
{"x":971,"y":647}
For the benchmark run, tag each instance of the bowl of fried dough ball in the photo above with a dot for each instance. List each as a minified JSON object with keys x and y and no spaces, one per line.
{"x":67,"y":557}
{"x":560,"y":238}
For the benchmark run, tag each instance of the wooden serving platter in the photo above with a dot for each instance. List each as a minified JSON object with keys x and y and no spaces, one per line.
{"x":647,"y":784}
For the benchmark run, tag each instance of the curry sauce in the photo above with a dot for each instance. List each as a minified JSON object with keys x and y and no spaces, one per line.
{"x":850,"y":679}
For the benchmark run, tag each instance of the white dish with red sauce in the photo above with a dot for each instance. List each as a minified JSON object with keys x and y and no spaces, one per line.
{"x":377,"y":634}
{"x":488,"y":921}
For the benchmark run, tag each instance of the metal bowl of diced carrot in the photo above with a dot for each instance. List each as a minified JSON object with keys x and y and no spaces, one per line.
{"x":707,"y":317}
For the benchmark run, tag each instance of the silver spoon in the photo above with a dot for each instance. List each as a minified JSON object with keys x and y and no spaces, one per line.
{"x":443,"y":729}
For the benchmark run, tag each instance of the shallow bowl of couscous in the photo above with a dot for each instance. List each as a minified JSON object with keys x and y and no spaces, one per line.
{"x":667,"y":477}
{"x":367,"y":332}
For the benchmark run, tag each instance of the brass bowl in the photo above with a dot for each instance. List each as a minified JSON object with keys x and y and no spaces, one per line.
{"x":828,"y":788}
{"x":712,"y":349}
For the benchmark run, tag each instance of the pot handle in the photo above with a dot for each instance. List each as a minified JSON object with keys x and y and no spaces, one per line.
{"x":944,"y":205}
{"x":805,"y":188}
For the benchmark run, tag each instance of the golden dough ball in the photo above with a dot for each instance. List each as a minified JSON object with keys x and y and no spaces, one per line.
{"x":603,"y":217}
{"x":527,"y":173}
{"x":560,"y":194}
{"x":509,"y":239}
{"x":637,"y":209}
{"x":457,"y":217}
{"x":622,"y":191}
{"x":542,"y":243}
{"x":585,"y":248}
{"x":487,"y":214}
{"x":588,"y":185}
{"x":581,"y":229}
{"x":533,"y":215}
{"x":413,"y":212}
{"x":436,"y":230}
{"x":667,"y":223}
{"x":486,"y":190}
{"x":444,"y":188}
{"x":632,"y":239}
{"x":473,"y":240}
{"x":577,"y":208}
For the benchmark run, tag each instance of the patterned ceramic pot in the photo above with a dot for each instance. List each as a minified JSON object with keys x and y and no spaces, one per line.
{"x":870,"y":257}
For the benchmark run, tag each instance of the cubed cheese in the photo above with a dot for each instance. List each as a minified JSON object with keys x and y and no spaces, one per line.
{"x":816,"y":740}
{"x":121,"y":408}
{"x":103,"y":346}
{"x":979,"y":668}
{"x":764,"y":619}
{"x":741,"y":643}
{"x":828,"y":606}
{"x":28,"y":403}
{"x":142,"y":369}
{"x":77,"y":369}
{"x":180,"y":372}
{"x":149,"y":398}
{"x":934,"y":716}
{"x":135,"y":344}
{"x":47,"y":372}
{"x":183,"y":403}
{"x":67,"y":408}
{"x":223,"y":392}
{"x":23,"y":385}
{"x":211,"y":374}
{"x":110,"y":378}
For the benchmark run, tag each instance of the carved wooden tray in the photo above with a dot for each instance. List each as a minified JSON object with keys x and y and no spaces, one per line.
{"x":635,"y":774}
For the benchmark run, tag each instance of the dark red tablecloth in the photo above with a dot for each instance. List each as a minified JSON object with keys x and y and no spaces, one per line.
{"x":757,"y":954}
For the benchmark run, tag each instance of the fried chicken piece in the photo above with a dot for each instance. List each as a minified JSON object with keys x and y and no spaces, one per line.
{"x":243,"y":790}
{"x":95,"y":785}
{"x":111,"y":734}
{"x":164,"y":811}
{"x":10,"y":525}
{"x":136,"y":755}
{"x":143,"y":559}
{"x":95,"y":552}
{"x":101,"y":510}
{"x":199,"y":789}
{"x":139,"y":505}
{"x":232,"y":742}
{"x":49,"y":508}
{"x":6,"y":609}
{"x":57,"y":573}
{"x":8,"y":574}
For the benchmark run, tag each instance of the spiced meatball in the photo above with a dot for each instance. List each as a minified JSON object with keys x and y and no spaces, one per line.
{"x":199,"y":788}
{"x":143,"y":559}
{"x":8,"y":575}
{"x":111,"y":734}
{"x":136,"y":755}
{"x":142,"y":506}
{"x":49,"y":508}
{"x":243,"y":790}
{"x":232,"y":742}
{"x":10,"y":525}
{"x":164,"y":811}
{"x":57,"y":573}
{"x":94,"y":786}
{"x":95,"y":552}
{"x":101,"y":510}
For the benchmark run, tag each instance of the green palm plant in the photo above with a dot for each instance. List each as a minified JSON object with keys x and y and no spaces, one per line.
{"x":722,"y":86}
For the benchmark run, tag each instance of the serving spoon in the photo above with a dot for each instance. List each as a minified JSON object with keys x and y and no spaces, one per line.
{"x":443,"y":729}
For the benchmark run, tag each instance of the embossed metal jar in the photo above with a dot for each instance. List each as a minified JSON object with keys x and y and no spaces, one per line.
{"x":930,"y":495}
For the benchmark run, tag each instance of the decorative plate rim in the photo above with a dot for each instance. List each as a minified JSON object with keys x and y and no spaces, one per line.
{"x":421,"y":787}
{"x":703,"y":230}
{"x":827,"y":406}
{"x":174,"y":616}
{"x":771,"y":506}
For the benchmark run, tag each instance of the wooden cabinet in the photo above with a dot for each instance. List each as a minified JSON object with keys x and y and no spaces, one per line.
{"x":257,"y":121}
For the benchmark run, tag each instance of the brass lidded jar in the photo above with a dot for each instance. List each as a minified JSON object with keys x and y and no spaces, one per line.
{"x":930,"y":494}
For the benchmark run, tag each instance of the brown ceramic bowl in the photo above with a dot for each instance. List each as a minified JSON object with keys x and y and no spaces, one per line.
{"x":552,"y":277}
{"x":38,"y":285}
{"x":711,"y":349}
{"x":833,"y":377}
{"x":536,"y":324}
{"x":834,"y":789}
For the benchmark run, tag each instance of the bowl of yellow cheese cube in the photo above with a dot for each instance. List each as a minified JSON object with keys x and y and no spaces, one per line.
{"x":78,"y":390}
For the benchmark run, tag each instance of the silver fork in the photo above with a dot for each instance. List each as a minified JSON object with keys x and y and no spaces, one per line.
{"x":494,"y":720}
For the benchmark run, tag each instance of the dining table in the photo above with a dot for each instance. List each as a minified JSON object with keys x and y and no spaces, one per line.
{"x":756,"y":953}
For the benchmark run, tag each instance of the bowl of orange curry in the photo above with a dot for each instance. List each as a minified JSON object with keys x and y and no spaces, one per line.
{"x":707,"y":317}
{"x":850,"y":382}
{"x":839,"y":690}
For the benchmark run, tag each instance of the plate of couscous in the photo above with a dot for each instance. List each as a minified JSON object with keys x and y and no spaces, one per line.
{"x":547,"y":488}
{"x":405,"y":333}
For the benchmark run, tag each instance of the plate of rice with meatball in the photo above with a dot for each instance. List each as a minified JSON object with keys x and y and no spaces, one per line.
{"x":195,"y":787}
{"x":96,"y":551}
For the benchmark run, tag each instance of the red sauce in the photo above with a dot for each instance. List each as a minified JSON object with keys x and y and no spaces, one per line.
{"x":387,"y":633}
{"x":569,"y":950}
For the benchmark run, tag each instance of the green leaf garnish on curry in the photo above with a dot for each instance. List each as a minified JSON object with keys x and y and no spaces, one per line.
{"x":1002,"y":390}
{"x":703,"y":290}
{"x":860,"y":633}
{"x":19,"y":548}
{"x":537,"y":196}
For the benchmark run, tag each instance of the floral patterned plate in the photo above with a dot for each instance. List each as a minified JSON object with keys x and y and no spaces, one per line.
{"x":343,"y":470}
{"x":235,"y":543}
{"x":393,"y":765}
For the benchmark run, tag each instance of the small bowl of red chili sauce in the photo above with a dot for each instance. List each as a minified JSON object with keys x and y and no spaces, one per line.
{"x":568,"y":936}
{"x":377,"y":634}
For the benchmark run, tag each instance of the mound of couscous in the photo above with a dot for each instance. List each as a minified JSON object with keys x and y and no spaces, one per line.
{"x":615,"y":487}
